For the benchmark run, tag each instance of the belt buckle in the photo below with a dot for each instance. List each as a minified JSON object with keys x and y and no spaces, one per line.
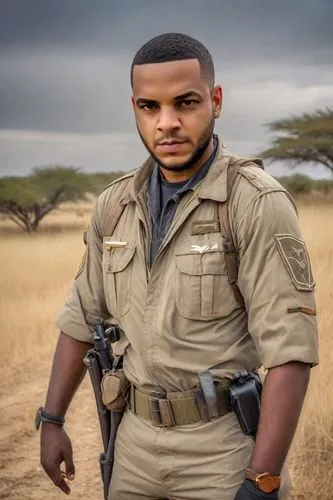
{"x":160,"y":410}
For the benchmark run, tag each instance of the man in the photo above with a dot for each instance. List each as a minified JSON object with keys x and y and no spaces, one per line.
{"x":166,"y":284}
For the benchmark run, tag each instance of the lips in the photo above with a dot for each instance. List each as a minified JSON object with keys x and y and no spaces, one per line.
{"x":170,"y":146}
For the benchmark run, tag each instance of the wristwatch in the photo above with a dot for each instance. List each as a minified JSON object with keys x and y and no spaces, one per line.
{"x":264,"y":481}
{"x":42,"y":416}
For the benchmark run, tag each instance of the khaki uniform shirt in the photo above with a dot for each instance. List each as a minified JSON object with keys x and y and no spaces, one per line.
{"x":179,"y":315}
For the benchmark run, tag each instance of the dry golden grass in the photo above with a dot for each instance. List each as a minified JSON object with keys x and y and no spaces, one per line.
{"x":35,"y":276}
{"x":311,"y":460}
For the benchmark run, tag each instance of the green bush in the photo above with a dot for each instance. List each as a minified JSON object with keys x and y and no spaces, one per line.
{"x":324,"y":185}
{"x":297,"y":183}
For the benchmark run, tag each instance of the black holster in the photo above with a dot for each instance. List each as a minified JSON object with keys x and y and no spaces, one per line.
{"x":244,"y":397}
{"x":99,"y":361}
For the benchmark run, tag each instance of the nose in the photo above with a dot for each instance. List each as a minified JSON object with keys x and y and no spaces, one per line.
{"x":168,"y":119}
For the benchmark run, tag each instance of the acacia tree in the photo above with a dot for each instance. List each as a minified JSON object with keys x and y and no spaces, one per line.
{"x":307,"y":138}
{"x":27,"y":200}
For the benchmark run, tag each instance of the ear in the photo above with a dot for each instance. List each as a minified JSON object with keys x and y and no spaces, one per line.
{"x":133,"y":102}
{"x":217,"y":98}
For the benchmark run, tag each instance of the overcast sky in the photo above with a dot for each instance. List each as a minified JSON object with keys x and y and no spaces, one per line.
{"x":64,"y":81}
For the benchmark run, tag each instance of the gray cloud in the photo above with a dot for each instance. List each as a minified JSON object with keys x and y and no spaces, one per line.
{"x":64,"y":91}
{"x":65,"y":72}
{"x":106,"y":23}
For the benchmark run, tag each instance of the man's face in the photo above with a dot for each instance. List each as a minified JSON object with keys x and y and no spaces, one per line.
{"x":175,"y":109}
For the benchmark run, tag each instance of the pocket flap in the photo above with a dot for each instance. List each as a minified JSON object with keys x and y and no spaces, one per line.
{"x":117,"y":259}
{"x":199,"y":264}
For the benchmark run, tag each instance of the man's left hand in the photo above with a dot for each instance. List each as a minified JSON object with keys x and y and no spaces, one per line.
{"x":248,"y":491}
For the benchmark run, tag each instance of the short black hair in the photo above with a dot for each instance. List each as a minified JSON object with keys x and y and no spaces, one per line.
{"x":175,"y":47}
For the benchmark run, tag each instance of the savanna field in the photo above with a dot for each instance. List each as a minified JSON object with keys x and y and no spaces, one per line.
{"x":35,"y":277}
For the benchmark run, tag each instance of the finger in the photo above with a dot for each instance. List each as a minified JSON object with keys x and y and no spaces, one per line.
{"x":69,"y":464}
{"x":56,"y":475}
{"x":57,"y":478}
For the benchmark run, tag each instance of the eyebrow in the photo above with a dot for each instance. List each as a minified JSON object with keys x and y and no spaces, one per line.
{"x":191,"y":93}
{"x":181,"y":97}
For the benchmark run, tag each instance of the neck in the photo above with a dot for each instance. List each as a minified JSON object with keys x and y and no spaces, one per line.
{"x":185,"y":175}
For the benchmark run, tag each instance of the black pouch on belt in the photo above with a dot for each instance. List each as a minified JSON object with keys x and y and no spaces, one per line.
{"x":244,"y":396}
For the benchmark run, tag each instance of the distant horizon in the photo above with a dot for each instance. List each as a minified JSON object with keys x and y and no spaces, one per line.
{"x":291,"y":171}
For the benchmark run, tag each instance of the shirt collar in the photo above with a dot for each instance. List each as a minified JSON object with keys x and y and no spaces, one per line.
{"x":213,"y":185}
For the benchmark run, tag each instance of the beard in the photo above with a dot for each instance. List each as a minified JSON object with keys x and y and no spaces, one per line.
{"x":203,"y":144}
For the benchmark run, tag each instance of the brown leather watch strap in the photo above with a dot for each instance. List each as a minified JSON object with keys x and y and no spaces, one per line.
{"x":265,"y":481}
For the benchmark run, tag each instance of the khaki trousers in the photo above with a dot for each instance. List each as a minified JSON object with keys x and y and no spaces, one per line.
{"x":190,"y":462}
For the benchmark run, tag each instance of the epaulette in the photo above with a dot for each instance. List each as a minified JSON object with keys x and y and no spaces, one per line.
{"x":120,"y":179}
{"x":259,"y":178}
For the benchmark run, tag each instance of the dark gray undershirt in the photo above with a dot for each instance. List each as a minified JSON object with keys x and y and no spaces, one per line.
{"x":164,"y":198}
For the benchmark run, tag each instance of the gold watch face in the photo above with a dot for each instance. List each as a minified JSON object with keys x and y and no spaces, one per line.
{"x":268,"y":483}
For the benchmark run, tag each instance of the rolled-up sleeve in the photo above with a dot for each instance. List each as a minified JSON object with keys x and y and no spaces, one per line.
{"x":276,"y":281}
{"x":85,"y":306}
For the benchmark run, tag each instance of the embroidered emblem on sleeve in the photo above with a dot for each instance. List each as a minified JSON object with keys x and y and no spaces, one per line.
{"x":296,"y":260}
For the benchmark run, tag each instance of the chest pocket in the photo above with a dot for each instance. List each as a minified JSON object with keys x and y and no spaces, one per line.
{"x":117,"y":274}
{"x":202,"y":287}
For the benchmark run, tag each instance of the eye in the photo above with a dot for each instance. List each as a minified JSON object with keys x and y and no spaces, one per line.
{"x":148,"y":106}
{"x":188,"y":102}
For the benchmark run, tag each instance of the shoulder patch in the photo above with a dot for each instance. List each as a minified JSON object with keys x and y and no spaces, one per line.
{"x":295,"y":257}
